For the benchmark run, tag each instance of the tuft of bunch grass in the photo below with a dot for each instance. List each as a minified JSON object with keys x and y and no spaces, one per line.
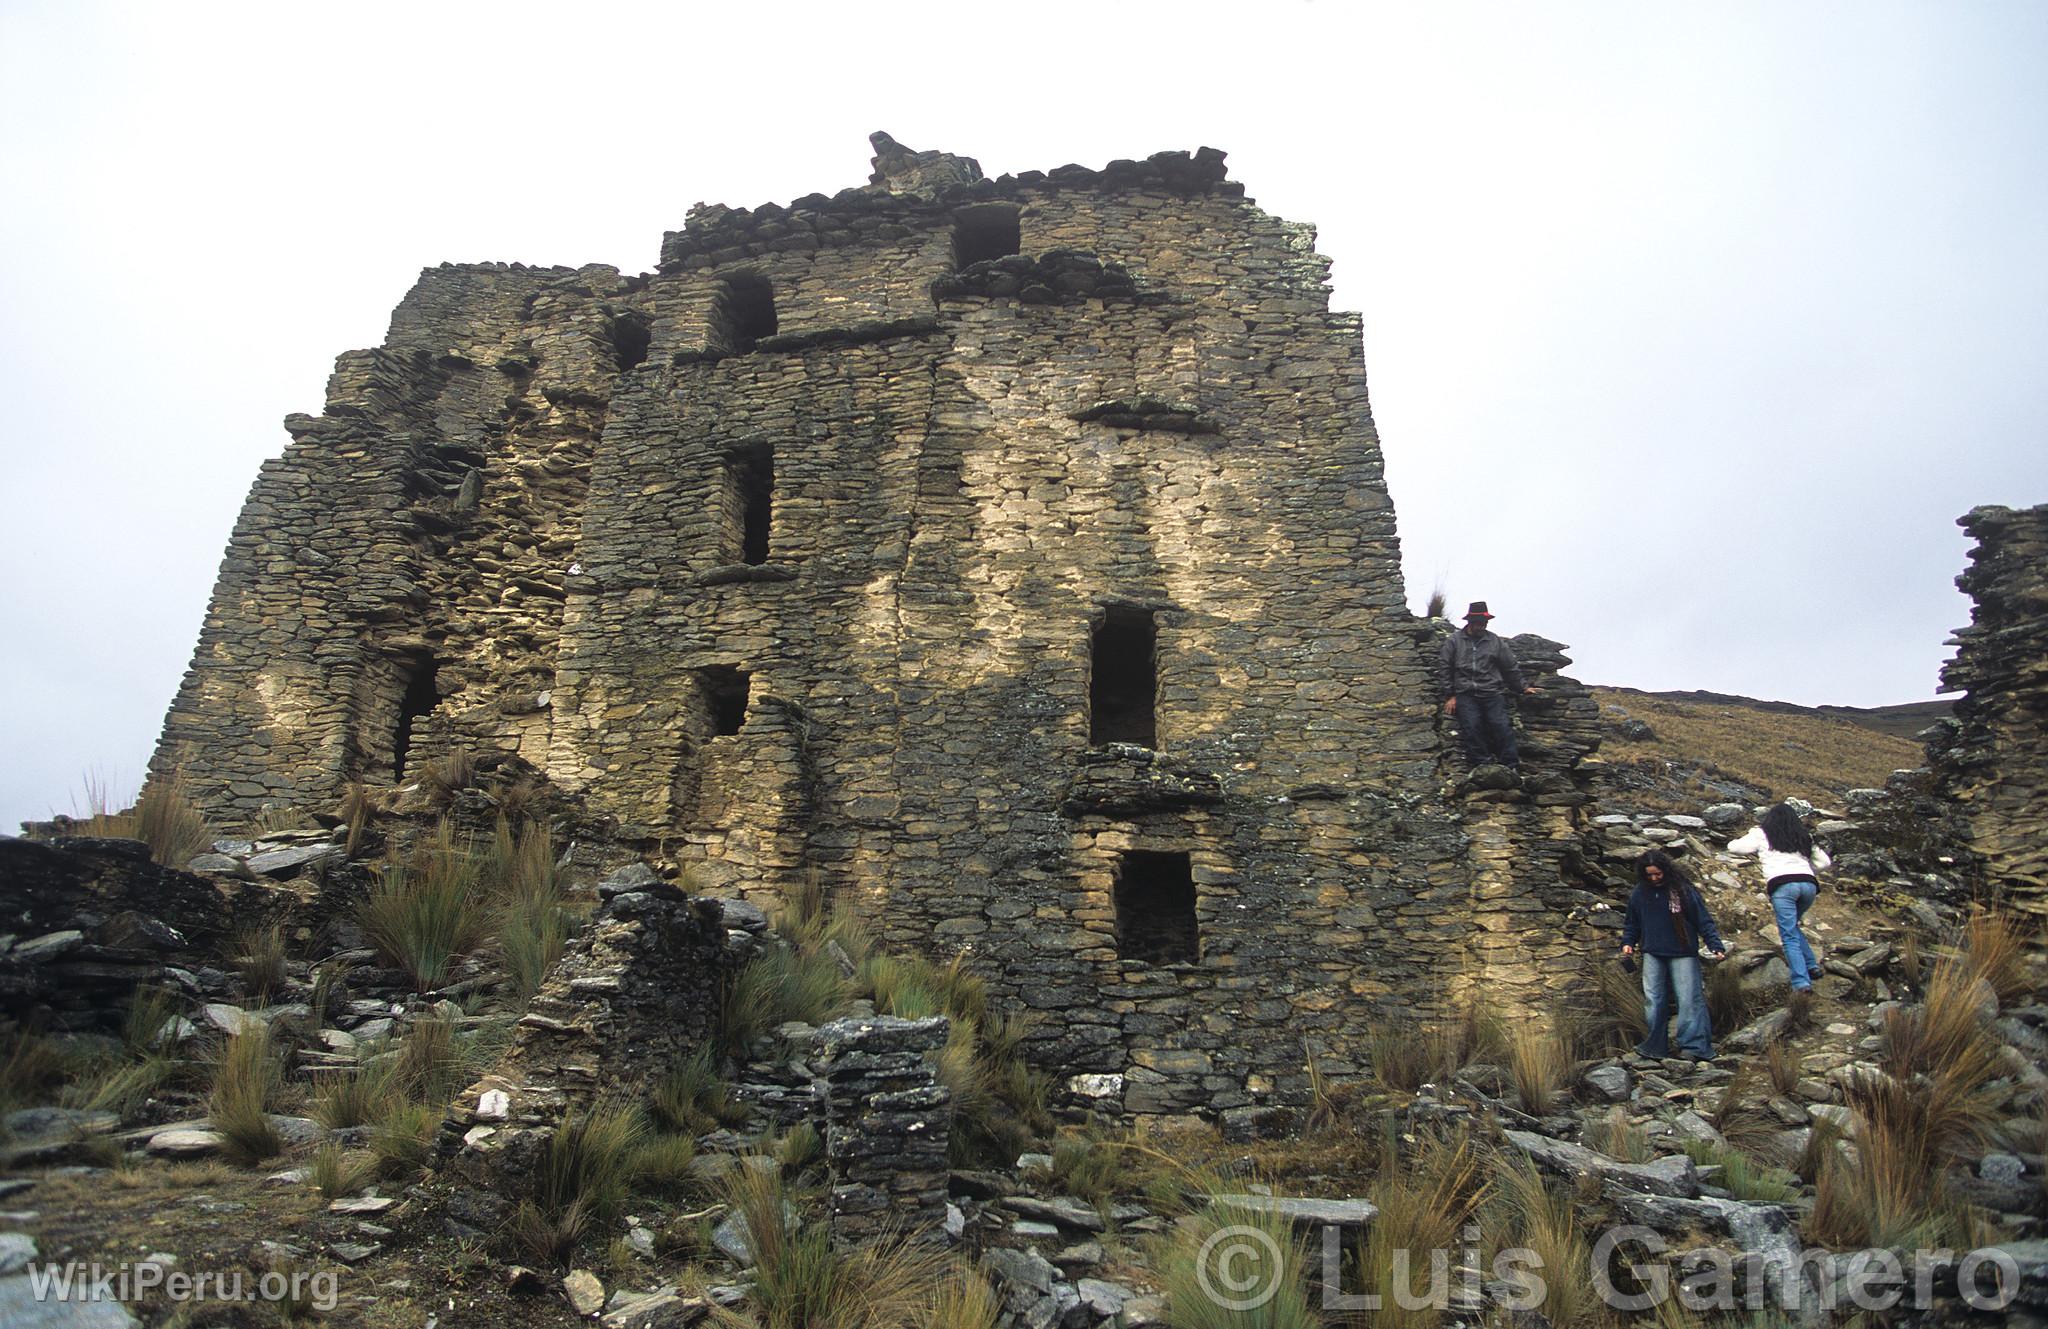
{"x":801,"y":1282}
{"x":1189,"y":1281}
{"x":1530,"y":1215}
{"x":259,"y":955}
{"x":691,"y":1097}
{"x":31,"y":1071}
{"x":401,"y":1138}
{"x":1608,"y":1011}
{"x":1539,"y":1063}
{"x":1093,"y":1165}
{"x":148,"y":1021}
{"x":962,"y":1299}
{"x":659,"y":1165}
{"x":361,"y":1097}
{"x":121,"y":1085}
{"x":359,"y":807}
{"x":1946,"y":1028}
{"x":245,"y":1080}
{"x":533,"y":917}
{"x":125,"y":1081}
{"x":777,"y":986}
{"x":1740,"y":1175}
{"x":441,"y":779}
{"x":1729,"y":1004}
{"x":1425,"y":1194}
{"x":426,"y":914}
{"x":170,"y":822}
{"x":1893,"y":1193}
{"x":1780,"y":1066}
{"x":1618,"y":1137}
{"x":581,"y":1180}
{"x":1995,"y":944}
{"x":338,"y":1171}
{"x":799,"y":1148}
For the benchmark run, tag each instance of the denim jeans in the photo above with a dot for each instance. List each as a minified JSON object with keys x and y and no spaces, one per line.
{"x":1484,"y":728}
{"x":1664,"y":976}
{"x":1789,"y":903}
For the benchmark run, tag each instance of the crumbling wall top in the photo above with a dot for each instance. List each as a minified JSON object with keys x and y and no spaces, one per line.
{"x":908,"y":187}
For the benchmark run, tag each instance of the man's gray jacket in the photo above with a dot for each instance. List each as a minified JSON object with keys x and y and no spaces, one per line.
{"x":1481,"y":664}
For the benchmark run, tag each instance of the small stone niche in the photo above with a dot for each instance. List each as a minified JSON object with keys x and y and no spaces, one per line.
{"x":748,"y":505}
{"x":1155,"y":908}
{"x":631,"y":336}
{"x":1123,"y":679}
{"x":985,"y":231}
{"x":415,"y":703}
{"x":744,"y":312}
{"x":727,"y":689}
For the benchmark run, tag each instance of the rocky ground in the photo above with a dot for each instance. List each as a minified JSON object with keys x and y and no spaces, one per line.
{"x":1873,"y":1116}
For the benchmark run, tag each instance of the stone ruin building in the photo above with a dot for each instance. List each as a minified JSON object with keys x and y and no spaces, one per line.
{"x":1015,"y":553}
{"x":1992,"y":762}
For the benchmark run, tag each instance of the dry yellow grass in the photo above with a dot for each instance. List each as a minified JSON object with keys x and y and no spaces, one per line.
{"x":1805,"y":756}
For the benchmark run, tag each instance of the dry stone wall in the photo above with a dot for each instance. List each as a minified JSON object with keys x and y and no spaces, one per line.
{"x":1016,"y":553}
{"x":1993,"y":760}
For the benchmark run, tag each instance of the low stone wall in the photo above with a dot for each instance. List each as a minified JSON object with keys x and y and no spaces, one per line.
{"x":635,"y":992}
{"x":887,"y":1123}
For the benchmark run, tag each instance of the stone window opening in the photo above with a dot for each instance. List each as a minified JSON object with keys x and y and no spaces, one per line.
{"x":631,"y":336}
{"x":749,"y":505}
{"x":726,"y":691}
{"x":1155,"y":908}
{"x":416,"y":703}
{"x":989,"y":231}
{"x":745,"y":311}
{"x":1123,"y":679}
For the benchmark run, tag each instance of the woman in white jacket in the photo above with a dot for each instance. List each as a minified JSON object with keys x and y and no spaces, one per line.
{"x":1790,"y":859}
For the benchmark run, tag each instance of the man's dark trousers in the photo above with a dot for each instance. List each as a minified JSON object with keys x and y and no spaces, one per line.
{"x":1483,"y":724}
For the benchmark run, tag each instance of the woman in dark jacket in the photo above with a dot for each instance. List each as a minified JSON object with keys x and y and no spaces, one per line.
{"x":1669,"y":921}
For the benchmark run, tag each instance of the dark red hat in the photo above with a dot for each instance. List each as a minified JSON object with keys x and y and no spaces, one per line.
{"x":1477,"y":609}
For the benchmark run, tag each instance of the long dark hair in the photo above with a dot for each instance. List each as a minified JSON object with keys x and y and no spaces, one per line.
{"x":1785,"y":831}
{"x":1674,"y":875}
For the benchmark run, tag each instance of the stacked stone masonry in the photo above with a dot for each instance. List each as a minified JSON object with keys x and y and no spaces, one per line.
{"x":793,"y":555}
{"x":1993,"y":761}
{"x":887,"y":1120}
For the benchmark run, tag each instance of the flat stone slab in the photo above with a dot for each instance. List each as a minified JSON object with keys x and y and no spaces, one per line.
{"x":186,"y":1143}
{"x":663,"y":1310}
{"x":1065,"y":1211}
{"x":49,"y":946}
{"x":286,"y":862}
{"x":42,"y":1123}
{"x":229,"y":1019}
{"x":19,"y":1309}
{"x":1302,"y":1213}
{"x":1674,"y":1175}
{"x":16,"y":1250}
{"x":360,"y":1204}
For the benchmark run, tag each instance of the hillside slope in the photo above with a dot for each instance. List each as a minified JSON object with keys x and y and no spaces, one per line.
{"x":1735,"y":748}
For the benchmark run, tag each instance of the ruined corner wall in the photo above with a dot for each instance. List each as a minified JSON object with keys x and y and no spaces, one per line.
{"x":426,"y":515}
{"x":1994,"y":761}
{"x":1143,"y":412}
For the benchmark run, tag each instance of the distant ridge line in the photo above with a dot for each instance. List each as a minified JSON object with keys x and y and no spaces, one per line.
{"x":1904,"y":720}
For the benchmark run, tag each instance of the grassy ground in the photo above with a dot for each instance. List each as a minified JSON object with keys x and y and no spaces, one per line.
{"x":1808,"y":756}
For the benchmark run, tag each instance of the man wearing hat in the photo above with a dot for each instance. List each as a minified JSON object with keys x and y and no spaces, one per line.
{"x":1476,"y":672}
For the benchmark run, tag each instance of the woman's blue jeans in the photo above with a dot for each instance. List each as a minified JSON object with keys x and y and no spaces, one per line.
{"x":1669,"y":978}
{"x":1789,"y":903}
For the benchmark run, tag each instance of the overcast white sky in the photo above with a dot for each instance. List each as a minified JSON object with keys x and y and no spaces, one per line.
{"x":1691,"y":328}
